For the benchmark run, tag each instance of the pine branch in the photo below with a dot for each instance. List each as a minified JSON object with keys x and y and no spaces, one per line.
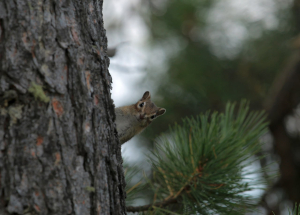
{"x":133,"y":189}
{"x":171,"y":199}
{"x":204,"y":164}
{"x":148,"y":207}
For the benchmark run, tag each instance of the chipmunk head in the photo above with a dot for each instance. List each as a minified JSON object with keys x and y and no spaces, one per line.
{"x":147,"y":110}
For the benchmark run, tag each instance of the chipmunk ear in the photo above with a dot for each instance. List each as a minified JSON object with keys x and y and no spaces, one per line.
{"x":161,"y":111}
{"x":146,"y":95}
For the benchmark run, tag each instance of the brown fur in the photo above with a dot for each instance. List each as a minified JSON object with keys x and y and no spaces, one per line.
{"x":133,"y":119}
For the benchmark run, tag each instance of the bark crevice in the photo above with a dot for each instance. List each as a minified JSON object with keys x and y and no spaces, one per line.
{"x":59,"y":156}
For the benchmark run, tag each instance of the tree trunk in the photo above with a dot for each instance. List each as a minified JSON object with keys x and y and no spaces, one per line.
{"x":282,"y":101}
{"x":59,"y":153}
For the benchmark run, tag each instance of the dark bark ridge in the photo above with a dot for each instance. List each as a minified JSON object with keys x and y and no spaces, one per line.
{"x":58,"y":150}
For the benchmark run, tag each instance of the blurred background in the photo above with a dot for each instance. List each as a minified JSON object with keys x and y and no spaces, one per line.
{"x":195,"y":55}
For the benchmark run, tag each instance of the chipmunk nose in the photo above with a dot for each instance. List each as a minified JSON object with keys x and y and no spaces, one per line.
{"x":142,"y":116}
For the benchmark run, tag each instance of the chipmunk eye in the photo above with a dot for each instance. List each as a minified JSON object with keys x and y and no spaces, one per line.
{"x":142,"y":104}
{"x":152,"y":117}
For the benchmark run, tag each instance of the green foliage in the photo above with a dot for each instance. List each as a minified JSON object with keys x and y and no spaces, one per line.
{"x":133,"y":189}
{"x":203,"y":165}
{"x":296,"y":210}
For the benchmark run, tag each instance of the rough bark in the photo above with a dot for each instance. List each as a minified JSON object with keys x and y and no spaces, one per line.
{"x":58,"y":148}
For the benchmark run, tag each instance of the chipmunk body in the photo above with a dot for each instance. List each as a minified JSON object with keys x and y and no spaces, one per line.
{"x":133,"y":119}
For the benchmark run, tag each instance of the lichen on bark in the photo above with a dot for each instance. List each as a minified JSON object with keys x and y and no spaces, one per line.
{"x":38,"y":92}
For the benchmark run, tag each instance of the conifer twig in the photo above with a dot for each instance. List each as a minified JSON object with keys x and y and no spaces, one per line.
{"x":167,"y":201}
{"x":150,"y":206}
{"x":203,"y":162}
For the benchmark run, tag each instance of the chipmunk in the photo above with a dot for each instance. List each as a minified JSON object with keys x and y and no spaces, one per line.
{"x":133,"y":119}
